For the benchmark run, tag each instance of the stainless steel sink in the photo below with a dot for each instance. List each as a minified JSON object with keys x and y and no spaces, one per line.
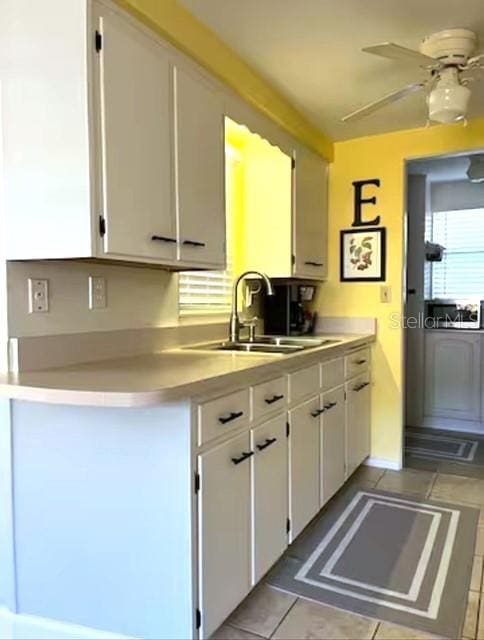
{"x":267,"y":344}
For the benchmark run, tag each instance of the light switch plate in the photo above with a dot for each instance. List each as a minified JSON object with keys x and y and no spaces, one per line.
{"x":38,"y":295}
{"x":385,"y":293}
{"x":97,"y":292}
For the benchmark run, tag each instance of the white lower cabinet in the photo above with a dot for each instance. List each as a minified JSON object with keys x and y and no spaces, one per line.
{"x":358,"y":405}
{"x":269,"y":495}
{"x":332,"y":458}
{"x":452,"y":375}
{"x":224,"y":530}
{"x":304,"y":464}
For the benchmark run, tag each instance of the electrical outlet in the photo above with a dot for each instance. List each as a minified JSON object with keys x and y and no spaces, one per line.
{"x":385,"y":293}
{"x":38,"y":295}
{"x":97,"y":292}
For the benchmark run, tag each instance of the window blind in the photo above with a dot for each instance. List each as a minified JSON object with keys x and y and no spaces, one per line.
{"x":461,"y":272}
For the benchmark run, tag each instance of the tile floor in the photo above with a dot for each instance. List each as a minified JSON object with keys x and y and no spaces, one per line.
{"x":268,"y":613}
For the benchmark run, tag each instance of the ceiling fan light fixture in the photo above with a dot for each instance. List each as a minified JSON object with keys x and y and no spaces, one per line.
{"x":449,"y":99}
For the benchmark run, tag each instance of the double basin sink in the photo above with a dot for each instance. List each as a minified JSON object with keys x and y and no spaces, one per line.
{"x":268,"y":344}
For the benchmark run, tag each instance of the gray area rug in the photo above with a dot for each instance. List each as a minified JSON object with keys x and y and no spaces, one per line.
{"x":386,"y":556}
{"x":445,"y":451}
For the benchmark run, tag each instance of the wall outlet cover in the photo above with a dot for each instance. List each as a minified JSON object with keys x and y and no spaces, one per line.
{"x":385,"y":294}
{"x":38,"y":295}
{"x":97,"y":292}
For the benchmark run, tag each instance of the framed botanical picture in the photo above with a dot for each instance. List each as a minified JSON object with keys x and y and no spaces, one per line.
{"x":363,"y":255}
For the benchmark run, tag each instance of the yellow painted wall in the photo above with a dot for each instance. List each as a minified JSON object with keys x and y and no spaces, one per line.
{"x":174,"y":23}
{"x":383,"y":157}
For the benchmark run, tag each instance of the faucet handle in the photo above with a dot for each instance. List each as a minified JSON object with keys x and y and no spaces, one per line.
{"x":251,"y":325}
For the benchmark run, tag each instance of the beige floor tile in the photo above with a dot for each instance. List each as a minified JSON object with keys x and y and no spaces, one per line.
{"x":262,"y":610}
{"x":311,"y":620}
{"x":367,"y":476}
{"x":227,"y":632}
{"x":459,"y":489}
{"x":480,"y":542}
{"x":388,"y":631}
{"x":408,"y":481}
{"x":476,"y":578}
{"x":470,"y":623}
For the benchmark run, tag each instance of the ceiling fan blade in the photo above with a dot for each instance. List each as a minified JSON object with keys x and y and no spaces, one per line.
{"x":396,"y":52}
{"x":475,"y":61}
{"x":394,"y":96}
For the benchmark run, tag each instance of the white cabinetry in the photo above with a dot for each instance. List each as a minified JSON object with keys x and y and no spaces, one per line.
{"x":358,"y":404}
{"x":269,"y":495}
{"x":310,"y":216}
{"x":452,"y":375}
{"x":332,"y":458}
{"x":304,"y":464}
{"x":135,"y":141}
{"x":200,"y":171}
{"x":224,"y":529}
{"x":133,"y":169}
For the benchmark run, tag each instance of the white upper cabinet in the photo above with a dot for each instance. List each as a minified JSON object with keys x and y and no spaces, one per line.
{"x":310,"y":216}
{"x":135,"y":142}
{"x":116,"y":151}
{"x":200,"y":170}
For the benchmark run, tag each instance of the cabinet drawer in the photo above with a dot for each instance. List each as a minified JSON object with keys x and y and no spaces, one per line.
{"x":268,"y":397}
{"x":304,"y":382}
{"x":221,"y":415}
{"x":357,"y":362}
{"x":332,"y":374}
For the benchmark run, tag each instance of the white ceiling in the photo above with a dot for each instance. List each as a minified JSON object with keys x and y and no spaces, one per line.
{"x":311,"y":51}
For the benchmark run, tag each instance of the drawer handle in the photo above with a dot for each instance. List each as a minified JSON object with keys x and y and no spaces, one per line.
{"x":311,"y":263}
{"x":273,"y":399}
{"x":362,"y":361}
{"x":317,"y":413}
{"x":244,"y":456}
{"x":193,"y":243}
{"x":361,"y":386}
{"x":266,"y":444}
{"x":330,"y":405}
{"x":163,"y":239}
{"x":233,"y":416}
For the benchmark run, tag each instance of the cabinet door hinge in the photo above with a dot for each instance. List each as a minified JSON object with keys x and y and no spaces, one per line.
{"x":102,"y":226}
{"x":288,"y":429}
{"x":293,"y":163}
{"x":198,"y":618}
{"x":288,"y":525}
{"x":345,"y":395}
{"x":197,"y":482}
{"x":98,"y":39}
{"x":293,"y":259}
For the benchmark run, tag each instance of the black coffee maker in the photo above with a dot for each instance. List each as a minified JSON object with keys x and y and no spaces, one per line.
{"x":286,"y":312}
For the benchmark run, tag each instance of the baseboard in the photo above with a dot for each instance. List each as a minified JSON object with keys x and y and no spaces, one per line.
{"x":381,"y":463}
{"x":25,"y":627}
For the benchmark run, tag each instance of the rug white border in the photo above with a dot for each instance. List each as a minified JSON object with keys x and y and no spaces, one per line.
{"x":438,"y":587}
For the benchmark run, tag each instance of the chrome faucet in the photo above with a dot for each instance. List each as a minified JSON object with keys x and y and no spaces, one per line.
{"x":235,"y":324}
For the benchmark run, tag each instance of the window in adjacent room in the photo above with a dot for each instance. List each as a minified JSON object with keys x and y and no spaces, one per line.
{"x":461,"y":272}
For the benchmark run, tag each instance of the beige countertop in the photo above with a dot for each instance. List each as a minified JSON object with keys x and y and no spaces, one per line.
{"x":152,"y":379}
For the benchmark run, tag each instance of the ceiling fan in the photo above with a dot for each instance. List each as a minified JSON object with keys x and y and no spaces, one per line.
{"x":447,"y":57}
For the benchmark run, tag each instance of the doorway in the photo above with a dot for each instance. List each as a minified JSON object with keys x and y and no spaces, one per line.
{"x":444,"y":326}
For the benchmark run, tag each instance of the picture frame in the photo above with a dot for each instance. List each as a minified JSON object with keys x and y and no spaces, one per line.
{"x":363,"y":254}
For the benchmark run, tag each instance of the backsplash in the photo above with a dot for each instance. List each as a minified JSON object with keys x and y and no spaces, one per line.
{"x":136,"y":298}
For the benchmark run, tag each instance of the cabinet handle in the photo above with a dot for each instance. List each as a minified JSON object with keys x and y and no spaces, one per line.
{"x":233,"y":416}
{"x":163,"y":239}
{"x":311,"y":263}
{"x":317,"y":413}
{"x":361,"y":386}
{"x":266,"y":444}
{"x":244,"y":456}
{"x":330,"y":405}
{"x":273,"y":399}
{"x":362,"y":361}
{"x":193,"y":243}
